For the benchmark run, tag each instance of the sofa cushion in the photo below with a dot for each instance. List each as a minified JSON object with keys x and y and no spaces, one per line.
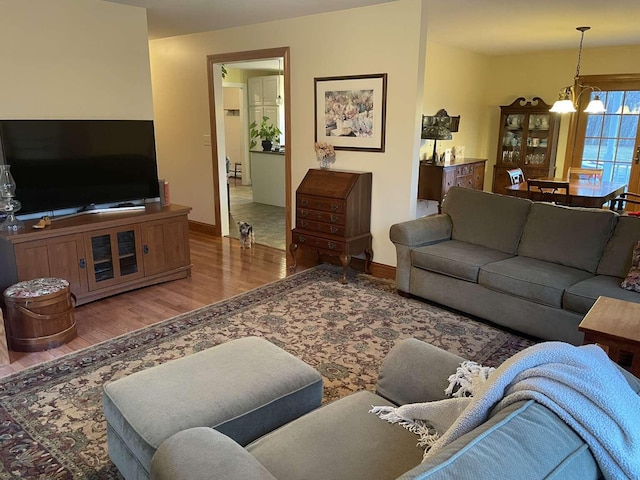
{"x":581,"y":296}
{"x":339,"y":440}
{"x":532,"y":279}
{"x":487,"y":219}
{"x":575,"y":237}
{"x":455,"y":258}
{"x":616,"y":258}
{"x":524,"y":440}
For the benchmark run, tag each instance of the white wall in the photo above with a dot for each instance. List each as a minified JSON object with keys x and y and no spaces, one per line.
{"x":387,"y":38}
{"x":69,"y":59}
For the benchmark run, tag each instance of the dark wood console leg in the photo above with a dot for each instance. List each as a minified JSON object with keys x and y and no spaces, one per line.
{"x":345,"y":260}
{"x":368,"y":254}
{"x":292,"y":249}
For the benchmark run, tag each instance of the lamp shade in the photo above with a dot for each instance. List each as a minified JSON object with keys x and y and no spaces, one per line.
{"x":563,"y":106}
{"x":436,"y":132}
{"x":595,"y":106}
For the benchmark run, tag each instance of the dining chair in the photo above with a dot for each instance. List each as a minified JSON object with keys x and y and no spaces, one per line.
{"x":516,"y":176}
{"x":619,"y":203}
{"x":589,"y":173}
{"x":548,"y":190}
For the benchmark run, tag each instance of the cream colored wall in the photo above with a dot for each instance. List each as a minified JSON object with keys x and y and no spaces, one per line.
{"x":457,"y":80}
{"x":474,"y":86}
{"x":74,"y":59}
{"x":392,"y":41}
{"x":542,"y":74}
{"x":233,"y":126}
{"x":239,"y":75}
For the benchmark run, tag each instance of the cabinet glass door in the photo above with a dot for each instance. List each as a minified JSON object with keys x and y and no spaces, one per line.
{"x":102,"y":258}
{"x":127,"y":257}
{"x":537,"y":139}
{"x":114,"y":256}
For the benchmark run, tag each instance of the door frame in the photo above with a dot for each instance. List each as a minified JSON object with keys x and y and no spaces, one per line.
{"x":578,"y":123}
{"x":222,"y":58}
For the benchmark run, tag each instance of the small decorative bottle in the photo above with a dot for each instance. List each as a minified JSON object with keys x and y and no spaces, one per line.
{"x":8,"y":204}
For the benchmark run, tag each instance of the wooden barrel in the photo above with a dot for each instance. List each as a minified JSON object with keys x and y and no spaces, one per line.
{"x":39,"y":314}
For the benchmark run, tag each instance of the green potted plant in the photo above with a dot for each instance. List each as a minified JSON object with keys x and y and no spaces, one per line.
{"x":267,"y":132}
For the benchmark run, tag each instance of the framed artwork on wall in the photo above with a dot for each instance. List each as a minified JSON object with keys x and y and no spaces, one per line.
{"x":350,"y":111}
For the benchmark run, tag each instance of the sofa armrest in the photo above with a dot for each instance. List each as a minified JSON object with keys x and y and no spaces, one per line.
{"x":421,"y":231}
{"x":415,"y":371}
{"x":203,"y":453}
{"x":412,"y":234}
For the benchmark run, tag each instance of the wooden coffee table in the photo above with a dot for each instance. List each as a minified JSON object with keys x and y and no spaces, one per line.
{"x":614,"y":325}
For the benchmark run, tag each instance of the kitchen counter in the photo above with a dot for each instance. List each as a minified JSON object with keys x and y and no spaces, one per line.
{"x":268,"y":177}
{"x":268,"y":153}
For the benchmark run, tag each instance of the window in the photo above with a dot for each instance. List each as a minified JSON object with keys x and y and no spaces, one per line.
{"x":611,"y":140}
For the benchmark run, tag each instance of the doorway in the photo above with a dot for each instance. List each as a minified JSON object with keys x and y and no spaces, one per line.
{"x":233,"y":186}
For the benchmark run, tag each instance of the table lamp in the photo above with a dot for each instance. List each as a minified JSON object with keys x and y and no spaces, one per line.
{"x":438,"y":127}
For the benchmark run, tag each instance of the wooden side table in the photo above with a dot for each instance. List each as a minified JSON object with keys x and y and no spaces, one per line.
{"x":614,"y":325}
{"x":435,"y":180}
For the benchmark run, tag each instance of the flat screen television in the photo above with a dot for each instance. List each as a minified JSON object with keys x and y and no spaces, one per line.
{"x":62,"y":164}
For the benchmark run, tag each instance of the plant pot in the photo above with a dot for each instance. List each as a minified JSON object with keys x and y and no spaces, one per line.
{"x":266,"y":146}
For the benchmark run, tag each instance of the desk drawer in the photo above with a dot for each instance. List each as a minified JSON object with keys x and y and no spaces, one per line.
{"x":465,"y":181}
{"x":319,"y":216}
{"x":331,"y":229}
{"x":464,"y":170}
{"x":304,"y":240}
{"x":321,"y":203}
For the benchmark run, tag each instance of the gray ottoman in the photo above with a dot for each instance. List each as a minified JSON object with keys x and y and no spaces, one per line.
{"x":243,"y":388}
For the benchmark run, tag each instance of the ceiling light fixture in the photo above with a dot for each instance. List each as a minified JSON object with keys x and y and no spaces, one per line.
{"x":567,"y":101}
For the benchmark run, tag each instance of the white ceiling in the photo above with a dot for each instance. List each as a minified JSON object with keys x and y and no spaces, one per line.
{"x":486,"y":26}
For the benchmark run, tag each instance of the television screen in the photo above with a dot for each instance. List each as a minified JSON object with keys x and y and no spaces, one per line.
{"x":59,"y":164}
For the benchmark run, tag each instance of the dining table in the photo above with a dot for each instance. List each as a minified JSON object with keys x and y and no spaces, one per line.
{"x":590,"y":193}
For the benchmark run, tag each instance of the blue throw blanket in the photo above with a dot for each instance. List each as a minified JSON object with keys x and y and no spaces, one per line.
{"x":579,"y":384}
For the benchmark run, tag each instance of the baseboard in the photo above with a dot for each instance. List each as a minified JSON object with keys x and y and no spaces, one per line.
{"x":307,"y":258}
{"x":205,"y":228}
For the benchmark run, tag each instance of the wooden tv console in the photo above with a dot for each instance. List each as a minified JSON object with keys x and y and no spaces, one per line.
{"x":101,"y":254}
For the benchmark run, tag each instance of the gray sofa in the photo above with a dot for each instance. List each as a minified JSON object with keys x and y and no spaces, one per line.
{"x":342,"y":441}
{"x":534,"y":267}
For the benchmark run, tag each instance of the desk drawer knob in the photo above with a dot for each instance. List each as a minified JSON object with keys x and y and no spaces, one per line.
{"x":333,"y":218}
{"x":331,"y":245}
{"x":333,"y":229}
{"x":302,"y":239}
{"x":304,"y":223}
{"x":304,"y":213}
{"x":334,"y":207}
{"x":304,"y":202}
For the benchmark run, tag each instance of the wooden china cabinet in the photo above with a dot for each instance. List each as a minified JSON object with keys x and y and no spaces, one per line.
{"x":528,"y":139}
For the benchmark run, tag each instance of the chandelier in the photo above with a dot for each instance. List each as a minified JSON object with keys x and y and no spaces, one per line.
{"x":567,"y":100}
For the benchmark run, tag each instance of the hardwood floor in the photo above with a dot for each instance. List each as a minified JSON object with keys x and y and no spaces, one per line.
{"x":220,"y":270}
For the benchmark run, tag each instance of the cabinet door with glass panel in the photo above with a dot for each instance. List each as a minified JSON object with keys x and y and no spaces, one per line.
{"x":528,"y":139}
{"x":113,"y":256}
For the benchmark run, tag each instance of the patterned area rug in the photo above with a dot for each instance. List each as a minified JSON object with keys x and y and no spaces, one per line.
{"x":51,"y":422}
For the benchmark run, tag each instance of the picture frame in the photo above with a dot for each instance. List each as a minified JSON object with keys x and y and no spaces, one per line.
{"x":350,"y":111}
